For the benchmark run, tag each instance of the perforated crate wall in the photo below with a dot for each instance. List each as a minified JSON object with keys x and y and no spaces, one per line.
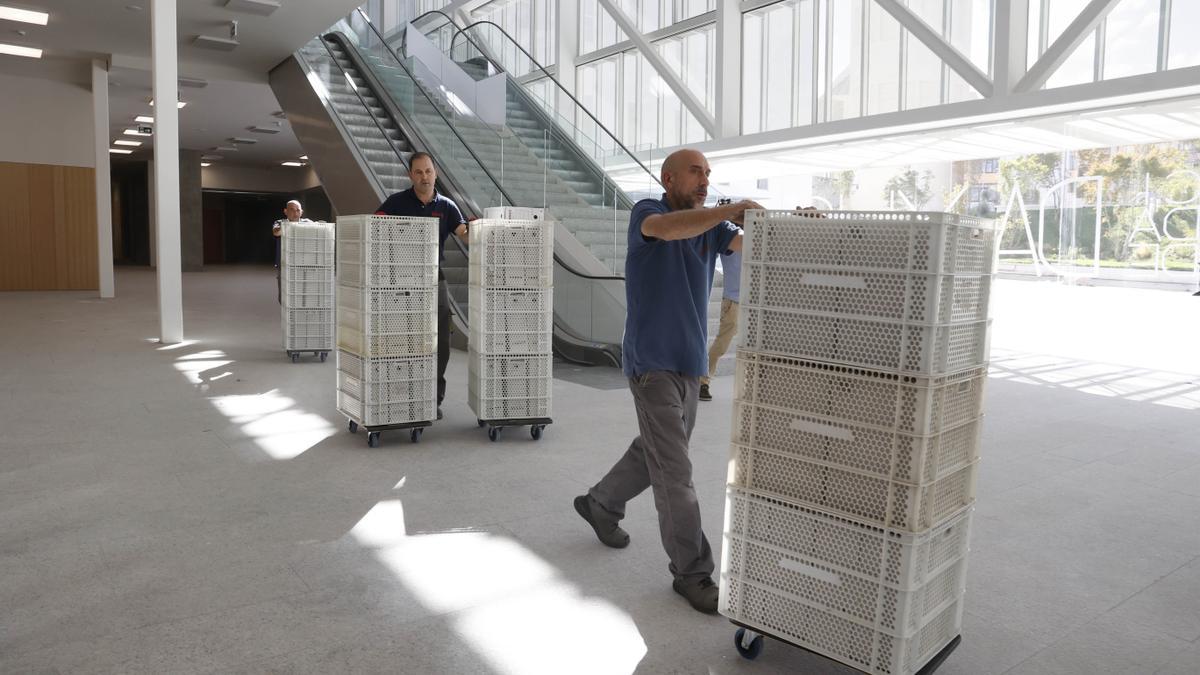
{"x":383,"y":414}
{"x":510,"y":387}
{"x":510,"y":276}
{"x":901,"y":296}
{"x":871,"y":499}
{"x":919,"y":349}
{"x":511,"y":254}
{"x":867,"y":649}
{"x":305,"y":329}
{"x":389,"y":391}
{"x":308,"y":342}
{"x":908,"y":404}
{"x":421,"y":300}
{"x":383,"y":276}
{"x":923,"y":242}
{"x":899,"y":560}
{"x":387,"y":368}
{"x":307,"y":245}
{"x":525,"y":311}
{"x":510,"y":342}
{"x":319,"y":275}
{"x":417,"y":234}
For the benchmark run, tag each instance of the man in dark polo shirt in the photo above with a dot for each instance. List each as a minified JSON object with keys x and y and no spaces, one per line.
{"x":673,"y":247}
{"x":422,"y":200}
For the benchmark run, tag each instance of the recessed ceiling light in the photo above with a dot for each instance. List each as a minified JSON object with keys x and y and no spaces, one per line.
{"x":133,"y":144}
{"x":303,"y":156}
{"x":23,"y":15}
{"x":292,"y":163}
{"x":144,"y":119}
{"x":263,"y":130}
{"x":205,"y":163}
{"x":238,"y":140}
{"x":119,"y":151}
{"x":17,"y":50}
{"x":134,"y":132}
{"x":133,"y":8}
{"x":179,"y":105}
{"x":211,"y":157}
{"x":261,"y":7}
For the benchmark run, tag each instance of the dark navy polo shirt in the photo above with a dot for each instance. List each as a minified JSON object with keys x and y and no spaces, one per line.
{"x":667,"y":284}
{"x":407,"y":203}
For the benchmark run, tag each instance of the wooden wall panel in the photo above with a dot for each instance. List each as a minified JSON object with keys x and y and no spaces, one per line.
{"x":47,"y":227}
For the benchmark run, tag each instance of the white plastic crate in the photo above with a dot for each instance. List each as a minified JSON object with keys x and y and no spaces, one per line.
{"x":897,"y":346}
{"x":514,"y":213}
{"x":307,"y":329}
{"x":516,"y":310}
{"x":307,"y":245}
{"x":881,"y":453}
{"x":383,"y":414}
{"x":386,"y":391}
{"x":900,"y":296}
{"x":870,"y":650}
{"x":509,"y":342}
{"x":308,"y":301}
{"x":413,"y":236}
{"x":421,"y":300}
{"x":921,"y":242}
{"x":511,"y":254}
{"x":909,"y":404}
{"x":304,"y":343}
{"x":899,"y":560}
{"x":871,"y":499}
{"x":386,"y":368}
{"x":306,"y":275}
{"x":510,"y":387}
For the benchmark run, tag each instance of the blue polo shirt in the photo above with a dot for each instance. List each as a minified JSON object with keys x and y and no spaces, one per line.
{"x":406,"y":203}
{"x":667,"y":284}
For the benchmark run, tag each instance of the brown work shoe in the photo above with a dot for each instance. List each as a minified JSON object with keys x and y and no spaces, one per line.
{"x":701,"y":594}
{"x":607,"y":530}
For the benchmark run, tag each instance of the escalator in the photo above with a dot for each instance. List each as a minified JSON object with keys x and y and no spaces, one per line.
{"x":360,"y":113}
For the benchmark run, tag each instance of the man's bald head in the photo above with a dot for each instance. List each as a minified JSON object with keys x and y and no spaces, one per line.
{"x":685,"y":178}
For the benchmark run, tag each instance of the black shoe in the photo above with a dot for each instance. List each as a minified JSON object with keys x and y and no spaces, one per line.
{"x":704,"y":393}
{"x":607,"y":531}
{"x":702,"y":595}
{"x":439,"y":412}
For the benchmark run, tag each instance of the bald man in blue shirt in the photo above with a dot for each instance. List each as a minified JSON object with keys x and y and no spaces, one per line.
{"x":673,"y":247}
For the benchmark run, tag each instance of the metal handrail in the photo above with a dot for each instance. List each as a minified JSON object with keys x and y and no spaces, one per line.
{"x":478,"y":161}
{"x":400,"y":61}
{"x":390,"y":140}
{"x":558,"y":84}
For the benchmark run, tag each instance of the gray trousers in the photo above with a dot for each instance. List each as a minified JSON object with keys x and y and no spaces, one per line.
{"x":658,"y":459}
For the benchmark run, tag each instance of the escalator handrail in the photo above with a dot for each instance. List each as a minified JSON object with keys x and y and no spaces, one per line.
{"x":545,"y":72}
{"x":557,"y":259}
{"x":436,"y":109}
{"x":390,"y":140}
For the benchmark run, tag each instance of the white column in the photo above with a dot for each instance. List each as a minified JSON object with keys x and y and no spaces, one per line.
{"x":567,"y":27}
{"x":729,"y":68}
{"x":1010,"y":45}
{"x":104,"y":250}
{"x":163,"y":50}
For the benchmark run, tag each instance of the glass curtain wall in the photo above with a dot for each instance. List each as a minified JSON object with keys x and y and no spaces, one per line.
{"x":532,"y":23}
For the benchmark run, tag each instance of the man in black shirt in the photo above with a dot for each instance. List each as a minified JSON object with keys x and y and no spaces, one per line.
{"x":422,"y":200}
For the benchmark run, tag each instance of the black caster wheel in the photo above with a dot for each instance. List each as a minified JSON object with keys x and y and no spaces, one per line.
{"x":749,"y":650}
{"x":536,"y":432}
{"x":373,"y":439}
{"x":415,"y":435}
{"x":353,"y":427}
{"x":493,"y":434}
{"x":324,"y":355}
{"x":481,"y":423}
{"x":295,"y":358}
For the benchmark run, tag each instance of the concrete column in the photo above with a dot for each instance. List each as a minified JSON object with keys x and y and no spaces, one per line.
{"x":1011,"y":44}
{"x":567,"y":21}
{"x":163,"y":50}
{"x":104,"y":245}
{"x":191,"y":213}
{"x":729,"y":69}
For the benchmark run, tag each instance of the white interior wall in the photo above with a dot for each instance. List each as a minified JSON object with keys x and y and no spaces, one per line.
{"x":258,"y":179}
{"x":45,"y":122}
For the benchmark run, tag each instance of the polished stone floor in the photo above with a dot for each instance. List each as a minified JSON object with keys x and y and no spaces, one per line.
{"x":201,"y":507}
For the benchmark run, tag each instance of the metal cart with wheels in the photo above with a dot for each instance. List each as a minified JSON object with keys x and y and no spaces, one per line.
{"x":537,"y":425}
{"x":295,"y":354}
{"x":749,"y":644}
{"x":414,"y":429}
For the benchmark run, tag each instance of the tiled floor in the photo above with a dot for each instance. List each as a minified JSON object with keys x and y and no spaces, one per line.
{"x":201,"y":507}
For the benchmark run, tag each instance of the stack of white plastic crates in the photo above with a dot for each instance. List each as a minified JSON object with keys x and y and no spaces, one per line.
{"x":511,"y":307}
{"x":387,"y":323}
{"x":863,"y":343}
{"x":306,"y":271}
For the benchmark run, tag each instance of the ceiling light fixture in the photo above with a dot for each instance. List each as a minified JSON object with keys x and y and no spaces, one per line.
{"x":144,"y":119}
{"x":292,"y":163}
{"x":178,"y":105}
{"x":23,"y":15}
{"x":205,"y":163}
{"x":122,"y":141}
{"x":263,"y":130}
{"x":134,"y":132}
{"x":119,"y":151}
{"x":211,"y":157}
{"x":303,"y":156}
{"x":17,"y":50}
